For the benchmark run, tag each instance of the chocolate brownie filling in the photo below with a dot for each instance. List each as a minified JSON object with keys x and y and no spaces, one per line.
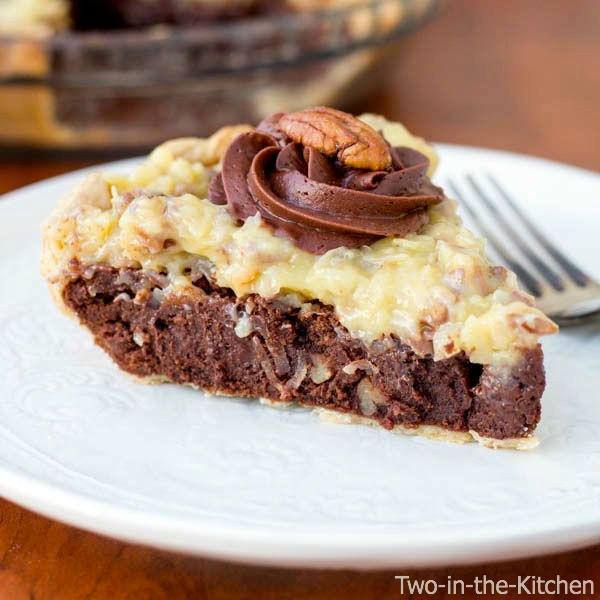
{"x":256,"y":347}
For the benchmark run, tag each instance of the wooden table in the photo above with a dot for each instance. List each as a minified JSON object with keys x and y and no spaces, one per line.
{"x":509,"y":74}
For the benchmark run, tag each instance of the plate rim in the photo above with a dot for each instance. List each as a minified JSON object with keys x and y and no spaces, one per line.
{"x":442,"y":146}
{"x":306,"y":549}
{"x":289,"y":548}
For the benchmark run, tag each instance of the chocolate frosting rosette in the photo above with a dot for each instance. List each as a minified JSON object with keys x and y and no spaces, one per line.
{"x":325,"y":179}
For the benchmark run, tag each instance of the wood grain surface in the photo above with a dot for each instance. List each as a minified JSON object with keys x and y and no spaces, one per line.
{"x":521,"y":75}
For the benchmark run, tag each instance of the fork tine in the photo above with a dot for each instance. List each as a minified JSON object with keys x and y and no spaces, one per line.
{"x":578,"y":276}
{"x":543,"y":269}
{"x":530,"y":283}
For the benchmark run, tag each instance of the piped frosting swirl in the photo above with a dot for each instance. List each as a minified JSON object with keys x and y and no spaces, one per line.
{"x":316,"y":200}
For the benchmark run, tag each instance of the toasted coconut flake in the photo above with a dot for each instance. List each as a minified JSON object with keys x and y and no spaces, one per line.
{"x":299,"y":374}
{"x":363,"y":365}
{"x":369,"y":397}
{"x":319,"y":371}
{"x":243,"y":328}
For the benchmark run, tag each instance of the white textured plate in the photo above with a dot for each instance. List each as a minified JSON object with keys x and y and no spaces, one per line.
{"x":167,"y":466}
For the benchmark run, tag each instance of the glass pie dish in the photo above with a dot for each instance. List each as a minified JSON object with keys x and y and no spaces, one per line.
{"x":126,"y":90}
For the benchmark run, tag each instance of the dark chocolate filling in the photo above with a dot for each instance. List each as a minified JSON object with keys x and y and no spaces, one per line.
{"x":192,"y":340}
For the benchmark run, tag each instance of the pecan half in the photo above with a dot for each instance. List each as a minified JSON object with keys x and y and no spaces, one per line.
{"x":336,"y":133}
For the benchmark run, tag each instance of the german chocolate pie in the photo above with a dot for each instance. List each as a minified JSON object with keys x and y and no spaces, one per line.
{"x":308,"y":260}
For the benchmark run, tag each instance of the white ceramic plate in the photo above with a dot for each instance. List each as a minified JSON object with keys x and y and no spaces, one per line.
{"x":167,"y":466}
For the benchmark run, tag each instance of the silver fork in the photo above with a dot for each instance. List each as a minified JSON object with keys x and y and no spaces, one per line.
{"x":562,"y":290}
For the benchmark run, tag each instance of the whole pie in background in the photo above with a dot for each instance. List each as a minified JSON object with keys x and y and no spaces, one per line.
{"x":56,"y":15}
{"x":121,"y":76}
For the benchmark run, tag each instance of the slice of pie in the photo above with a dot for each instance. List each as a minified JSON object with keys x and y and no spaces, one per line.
{"x":308,"y":260}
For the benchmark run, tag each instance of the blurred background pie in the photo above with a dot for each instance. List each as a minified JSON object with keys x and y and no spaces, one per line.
{"x":123,"y":75}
